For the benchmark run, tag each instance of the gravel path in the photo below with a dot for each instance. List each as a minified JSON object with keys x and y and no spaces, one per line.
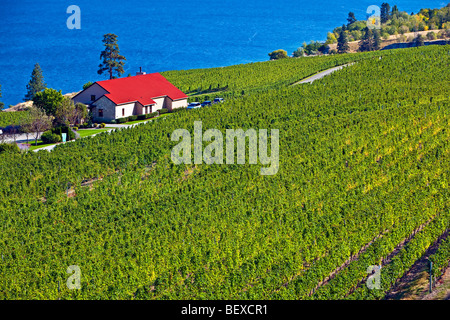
{"x":322,"y":74}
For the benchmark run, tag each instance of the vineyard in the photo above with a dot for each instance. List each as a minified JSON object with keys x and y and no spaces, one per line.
{"x":12,"y":118}
{"x":363,"y":180}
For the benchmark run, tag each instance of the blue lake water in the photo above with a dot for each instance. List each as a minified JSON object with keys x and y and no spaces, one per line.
{"x":159,"y":35}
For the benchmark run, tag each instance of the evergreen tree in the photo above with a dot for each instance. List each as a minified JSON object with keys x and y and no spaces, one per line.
{"x":112,"y":60}
{"x":394,"y":11}
{"x":342,"y":46}
{"x":385,"y":12}
{"x":36,"y":83}
{"x":376,"y":40}
{"x":366,"y":43}
{"x":351,"y":18}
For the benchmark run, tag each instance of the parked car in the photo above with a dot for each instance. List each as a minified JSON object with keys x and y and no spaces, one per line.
{"x":194,"y":105}
{"x":206,"y":103}
{"x":218,"y":100}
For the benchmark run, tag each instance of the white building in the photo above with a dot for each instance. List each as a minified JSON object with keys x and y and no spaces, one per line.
{"x":141,"y":94}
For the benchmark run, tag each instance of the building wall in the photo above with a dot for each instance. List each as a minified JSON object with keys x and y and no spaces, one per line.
{"x":109,"y":110}
{"x":150,"y":109}
{"x":182,"y":103}
{"x":85,"y":95}
{"x":168,"y":103}
{"x":138,"y":108}
{"x":129,"y":110}
{"x":159,"y":103}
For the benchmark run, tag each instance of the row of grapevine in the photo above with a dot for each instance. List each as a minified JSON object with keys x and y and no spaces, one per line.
{"x":363,"y":153}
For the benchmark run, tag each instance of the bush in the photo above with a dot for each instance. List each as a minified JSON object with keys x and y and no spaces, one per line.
{"x":447,"y":33}
{"x":113,"y":122}
{"x":163,"y":110}
{"x":9,"y":147}
{"x":132,"y":118}
{"x":94,"y":125}
{"x":178,"y":109}
{"x":278,"y":54}
{"x":64,"y":129}
{"x":151,"y":115}
{"x":431,"y":35}
{"x":102,"y":125}
{"x":49,"y":137}
{"x":75,"y":128}
{"x":142,"y":117}
{"x":121,"y":120}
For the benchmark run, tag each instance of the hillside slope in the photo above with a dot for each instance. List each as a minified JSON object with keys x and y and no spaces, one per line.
{"x":363,"y":180}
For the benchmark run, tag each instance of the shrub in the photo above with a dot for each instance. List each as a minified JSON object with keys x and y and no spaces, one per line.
{"x":142,"y":117}
{"x":278,"y":54}
{"x":178,"y":109}
{"x":102,"y":125}
{"x":151,"y":115}
{"x":121,"y":120}
{"x":9,"y":147}
{"x":163,"y":110}
{"x":75,"y":128}
{"x":112,"y":121}
{"x":94,"y":125}
{"x":403,"y":29}
{"x":447,"y":33}
{"x":49,"y":137}
{"x":431,"y":35}
{"x":132,"y":118}
{"x":63,"y":129}
{"x":401,"y":38}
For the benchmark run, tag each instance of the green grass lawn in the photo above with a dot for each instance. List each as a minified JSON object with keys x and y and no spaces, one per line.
{"x":40,"y":144}
{"x":89,"y":132}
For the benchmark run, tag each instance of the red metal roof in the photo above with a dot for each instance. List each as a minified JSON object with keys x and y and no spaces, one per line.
{"x":143,"y":88}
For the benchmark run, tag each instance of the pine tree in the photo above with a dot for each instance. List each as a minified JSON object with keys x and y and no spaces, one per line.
{"x":376,"y":40}
{"x":394,"y":11}
{"x":366,"y":43}
{"x":342,"y":46}
{"x":385,"y":12}
{"x":112,"y":60}
{"x":36,"y":83}
{"x":351,"y":18}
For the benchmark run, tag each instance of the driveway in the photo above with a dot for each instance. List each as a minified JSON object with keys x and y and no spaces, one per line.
{"x":322,"y":74}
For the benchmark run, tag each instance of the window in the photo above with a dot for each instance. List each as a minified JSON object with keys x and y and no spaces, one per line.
{"x":146,"y":109}
{"x":92,"y":97}
{"x":100,"y":113}
{"x":123,"y":112}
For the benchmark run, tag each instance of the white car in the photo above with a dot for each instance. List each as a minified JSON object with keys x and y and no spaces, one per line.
{"x":194,"y":105}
